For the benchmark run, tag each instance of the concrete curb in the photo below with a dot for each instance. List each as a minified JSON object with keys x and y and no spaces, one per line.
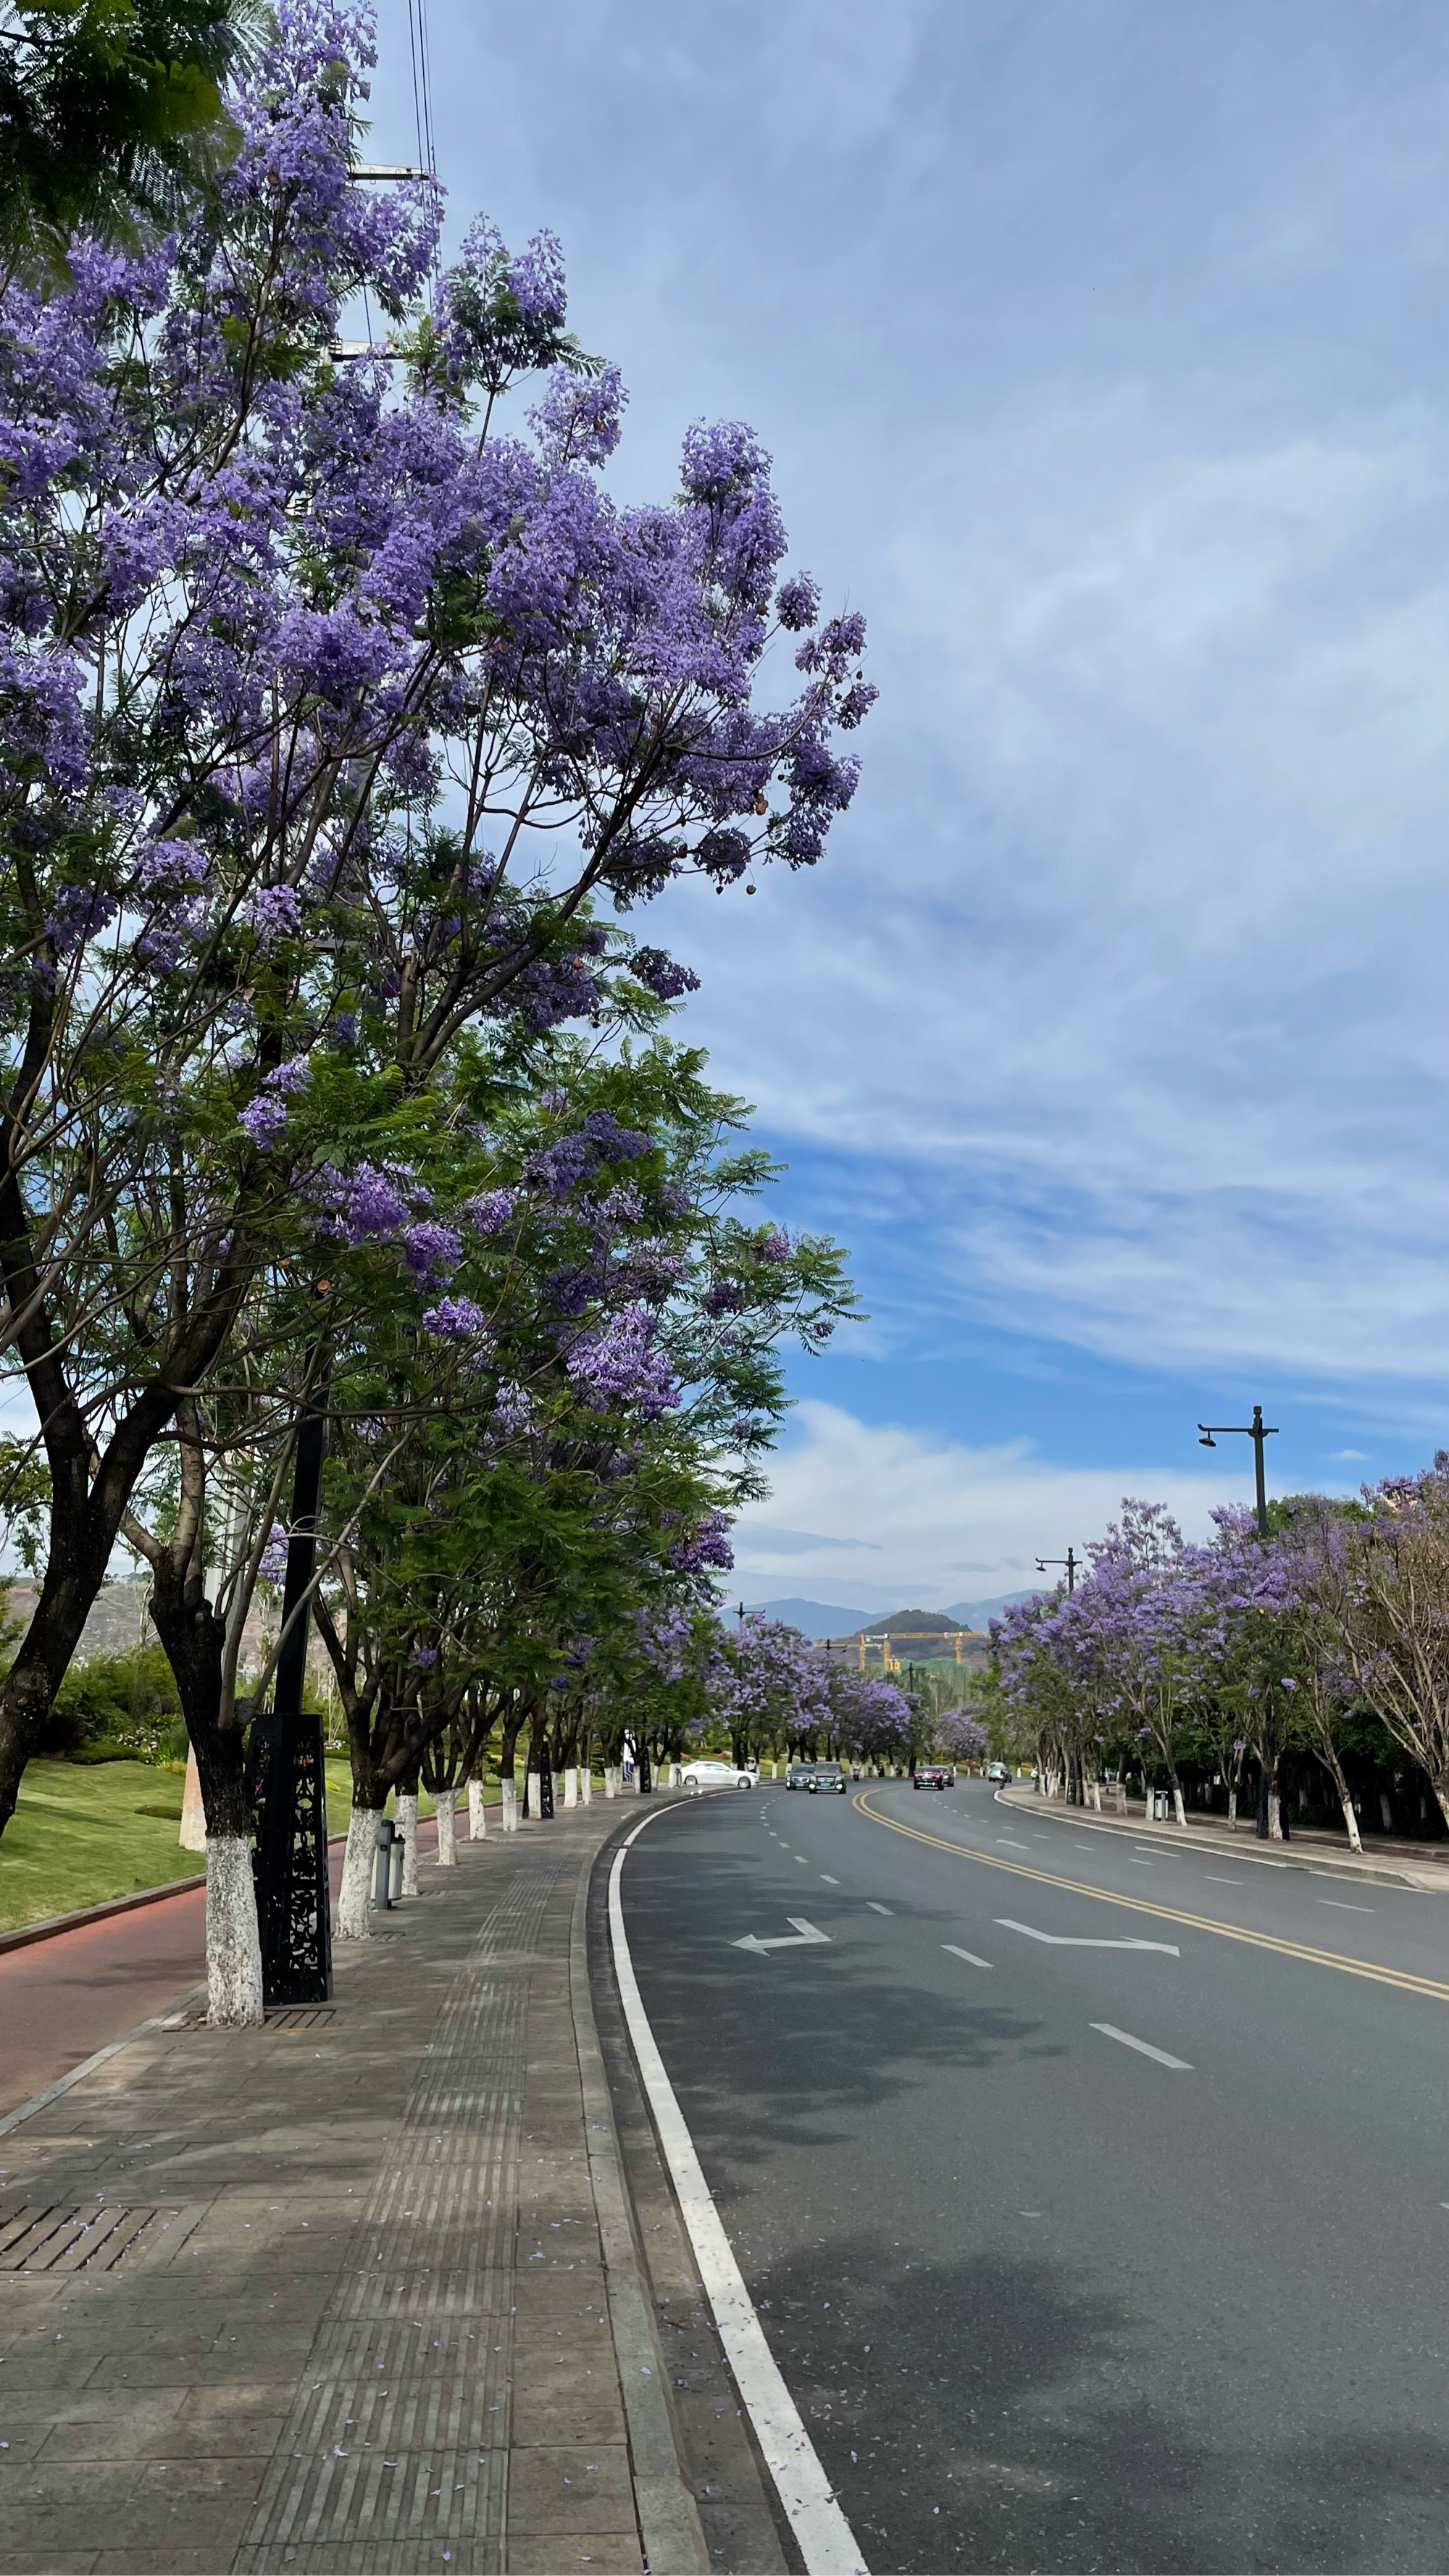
{"x":669,"y":2524}
{"x":1300,"y":1856}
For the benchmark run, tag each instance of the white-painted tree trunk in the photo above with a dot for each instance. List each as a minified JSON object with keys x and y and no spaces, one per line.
{"x":1232,"y":1811}
{"x":1386,"y":1811}
{"x":1275,"y":1814}
{"x":477,"y":1813}
{"x":447,"y":1855}
{"x":586,"y":1783}
{"x":532,"y":1796}
{"x":571,"y":1785}
{"x":192,"y":1836}
{"x":407,"y":1826}
{"x":1177,"y":1803}
{"x":1121,"y":1797}
{"x":233,"y":1943}
{"x":1355,"y":1838}
{"x":354,"y":1923}
{"x":611,"y":1779}
{"x":508,"y":1817}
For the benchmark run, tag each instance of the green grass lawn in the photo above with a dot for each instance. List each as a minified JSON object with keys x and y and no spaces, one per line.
{"x":81,"y":1834}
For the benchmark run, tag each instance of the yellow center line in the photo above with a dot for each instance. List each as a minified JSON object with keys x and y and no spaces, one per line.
{"x":1401,"y":1977}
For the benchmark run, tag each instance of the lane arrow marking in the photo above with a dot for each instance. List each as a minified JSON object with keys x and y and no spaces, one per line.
{"x":800,"y":1939}
{"x":1070,"y":1941}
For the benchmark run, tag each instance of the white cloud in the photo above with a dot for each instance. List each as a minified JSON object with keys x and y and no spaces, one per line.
{"x":949,"y":1521}
{"x":1360,"y":1455}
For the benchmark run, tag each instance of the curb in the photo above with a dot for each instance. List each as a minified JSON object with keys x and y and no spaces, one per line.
{"x":669,"y":2525}
{"x":1321,"y":1864}
{"x":50,"y":1925}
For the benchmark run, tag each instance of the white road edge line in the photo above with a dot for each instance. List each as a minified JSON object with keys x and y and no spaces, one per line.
{"x":826,"y":2542}
{"x":968,"y":1955}
{"x":1143,"y":2047}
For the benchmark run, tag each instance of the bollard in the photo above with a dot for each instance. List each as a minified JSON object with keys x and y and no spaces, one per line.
{"x":382,"y":1863}
{"x":396,"y":1855}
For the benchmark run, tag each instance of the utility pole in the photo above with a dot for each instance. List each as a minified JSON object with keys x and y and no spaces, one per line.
{"x":1071,"y":1561}
{"x":1257,"y":1431}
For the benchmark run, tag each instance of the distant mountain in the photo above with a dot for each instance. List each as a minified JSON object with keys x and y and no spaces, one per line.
{"x":819,"y":1619}
{"x":815,"y":1619}
{"x":977,"y":1614}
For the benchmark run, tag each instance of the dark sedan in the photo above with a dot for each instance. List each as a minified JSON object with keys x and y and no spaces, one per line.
{"x":931,"y":1775}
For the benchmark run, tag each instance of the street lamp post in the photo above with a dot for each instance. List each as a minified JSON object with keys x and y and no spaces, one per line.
{"x":1257,"y":1431}
{"x":1071,"y":1561}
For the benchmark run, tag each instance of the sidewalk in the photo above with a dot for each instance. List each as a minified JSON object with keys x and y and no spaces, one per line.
{"x":1399,"y":1864}
{"x":356,"y":2292}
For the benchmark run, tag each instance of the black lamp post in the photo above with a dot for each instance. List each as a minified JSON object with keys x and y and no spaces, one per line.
{"x":1257,"y":1431}
{"x":1071,"y":1561}
{"x":290,"y":1787}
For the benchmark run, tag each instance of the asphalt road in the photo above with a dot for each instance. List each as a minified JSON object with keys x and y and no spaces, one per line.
{"x":1046,"y":2301}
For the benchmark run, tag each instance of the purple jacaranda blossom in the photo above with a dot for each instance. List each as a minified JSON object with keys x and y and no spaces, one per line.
{"x":263,"y":1120}
{"x":273,"y":1562}
{"x":432,"y":1252}
{"x":621,"y":1363}
{"x":455,"y":1319}
{"x":776,"y":1246}
{"x":427,"y":1656}
{"x":275,"y":913}
{"x":662,"y":974}
{"x":76,"y":914}
{"x":491,"y":1210}
{"x":170,"y":867}
{"x":513,"y":1411}
{"x":797,"y":601}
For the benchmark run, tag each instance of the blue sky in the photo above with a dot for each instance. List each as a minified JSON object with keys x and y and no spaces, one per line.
{"x":1100,"y":349}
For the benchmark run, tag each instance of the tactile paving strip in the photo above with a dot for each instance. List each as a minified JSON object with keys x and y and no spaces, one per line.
{"x":384,"y":2470}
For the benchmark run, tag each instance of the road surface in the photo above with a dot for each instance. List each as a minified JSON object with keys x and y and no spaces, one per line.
{"x":1073,"y":2256}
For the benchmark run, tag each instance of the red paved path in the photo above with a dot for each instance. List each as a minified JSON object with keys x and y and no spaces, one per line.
{"x":62,"y":1999}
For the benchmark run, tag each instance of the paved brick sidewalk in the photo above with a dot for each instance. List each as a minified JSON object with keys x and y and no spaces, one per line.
{"x":356,"y":2292}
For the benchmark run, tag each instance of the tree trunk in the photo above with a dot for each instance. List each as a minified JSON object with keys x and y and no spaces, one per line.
{"x":354,"y":1922}
{"x":613,"y":1779}
{"x":1334,"y":1768}
{"x":586,"y":1775}
{"x":447,"y":1855}
{"x":233,"y":1945}
{"x":1386,"y":1811}
{"x":509,"y":1816}
{"x":571,"y":1785}
{"x":194,"y":1641}
{"x":1178,"y":1807}
{"x":477,"y":1814}
{"x":407,"y":1826}
{"x":1441,"y":1792}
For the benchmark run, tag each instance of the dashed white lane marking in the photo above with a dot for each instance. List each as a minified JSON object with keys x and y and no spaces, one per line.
{"x":1222,"y":1882}
{"x":801,"y":1860}
{"x":1144,"y":2047}
{"x":968,"y":1955}
{"x":829,"y":1881}
{"x":1343,"y":1907}
{"x":1008,"y":1845}
{"x":1144,"y":1864}
{"x":827,"y":2544}
{"x":879,"y":1909}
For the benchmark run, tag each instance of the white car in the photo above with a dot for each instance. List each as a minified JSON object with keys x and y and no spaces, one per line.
{"x":702,"y":1774}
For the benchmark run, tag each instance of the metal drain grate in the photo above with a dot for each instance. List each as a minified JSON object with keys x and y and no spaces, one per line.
{"x":38,"y":2239}
{"x":301,"y":2016}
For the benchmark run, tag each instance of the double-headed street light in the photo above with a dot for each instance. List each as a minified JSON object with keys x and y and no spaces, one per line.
{"x":1257,"y":1431}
